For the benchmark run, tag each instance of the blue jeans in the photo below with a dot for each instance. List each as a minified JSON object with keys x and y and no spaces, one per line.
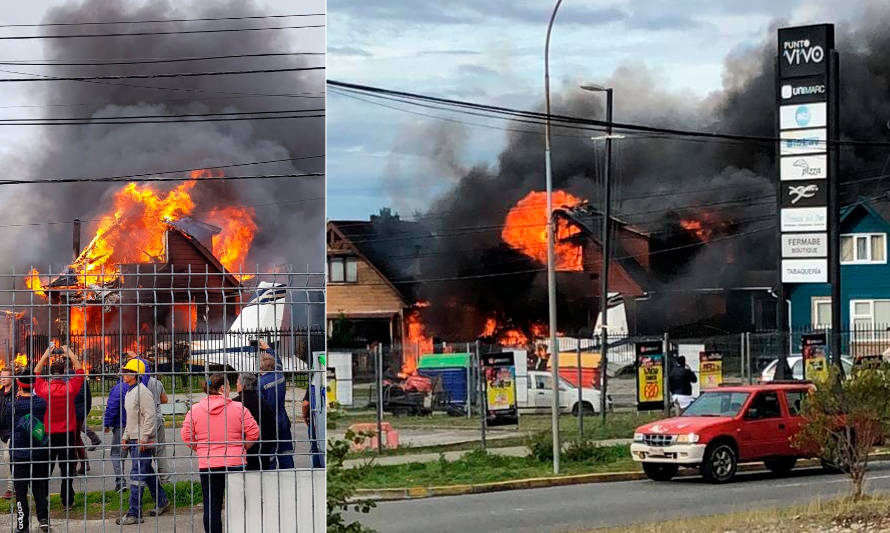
{"x":142,"y":474}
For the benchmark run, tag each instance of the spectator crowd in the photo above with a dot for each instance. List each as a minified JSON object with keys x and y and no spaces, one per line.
{"x":240,"y":425}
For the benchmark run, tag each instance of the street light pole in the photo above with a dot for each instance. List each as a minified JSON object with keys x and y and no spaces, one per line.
{"x":607,"y":248}
{"x":551,"y":236}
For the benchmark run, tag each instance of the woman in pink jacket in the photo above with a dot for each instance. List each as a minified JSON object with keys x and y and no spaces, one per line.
{"x":219,"y":430}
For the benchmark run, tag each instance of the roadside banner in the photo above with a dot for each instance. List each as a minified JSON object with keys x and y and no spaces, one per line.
{"x":499,"y":371}
{"x":317,"y":405}
{"x":710,"y":369}
{"x":331,"y":386}
{"x":812,"y":346}
{"x":650,"y":363}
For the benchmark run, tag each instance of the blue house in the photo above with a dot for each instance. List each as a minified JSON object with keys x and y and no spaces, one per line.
{"x":865,"y":283}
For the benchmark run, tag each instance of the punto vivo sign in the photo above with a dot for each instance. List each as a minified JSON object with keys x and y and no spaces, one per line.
{"x":804,"y":98}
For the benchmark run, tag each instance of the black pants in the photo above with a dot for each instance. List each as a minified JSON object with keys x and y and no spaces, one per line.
{"x":61,"y":452}
{"x":36,"y":475}
{"x":213,"y":486}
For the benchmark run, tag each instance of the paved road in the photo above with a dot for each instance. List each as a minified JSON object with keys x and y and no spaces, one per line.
{"x":579,"y":507}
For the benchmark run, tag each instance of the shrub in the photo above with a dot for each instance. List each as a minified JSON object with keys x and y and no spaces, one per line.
{"x":845,"y":418}
{"x":341,"y":483}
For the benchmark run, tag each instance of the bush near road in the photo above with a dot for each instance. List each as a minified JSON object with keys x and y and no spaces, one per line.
{"x":845,"y":419}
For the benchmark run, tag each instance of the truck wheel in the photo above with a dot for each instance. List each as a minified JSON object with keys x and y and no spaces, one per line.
{"x":588,"y":409}
{"x":720,"y":463}
{"x":660,"y":471}
{"x":781,"y":465}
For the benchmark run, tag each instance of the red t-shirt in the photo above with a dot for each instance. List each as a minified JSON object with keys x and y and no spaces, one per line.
{"x":59,"y":395}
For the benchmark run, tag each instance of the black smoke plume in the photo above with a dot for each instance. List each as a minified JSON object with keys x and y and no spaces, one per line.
{"x":289,"y":211}
{"x":731,"y":185}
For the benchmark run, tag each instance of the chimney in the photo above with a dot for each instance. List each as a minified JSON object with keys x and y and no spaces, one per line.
{"x":76,"y":238}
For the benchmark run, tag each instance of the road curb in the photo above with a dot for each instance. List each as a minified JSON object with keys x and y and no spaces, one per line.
{"x":413,"y":493}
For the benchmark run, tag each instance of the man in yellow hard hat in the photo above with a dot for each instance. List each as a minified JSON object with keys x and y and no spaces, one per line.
{"x":138,"y":436}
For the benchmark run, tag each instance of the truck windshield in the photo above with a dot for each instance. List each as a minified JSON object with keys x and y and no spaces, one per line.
{"x":717,"y":403}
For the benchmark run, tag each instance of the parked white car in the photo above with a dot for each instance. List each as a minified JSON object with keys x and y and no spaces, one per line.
{"x":796,"y":364}
{"x":540,"y":395}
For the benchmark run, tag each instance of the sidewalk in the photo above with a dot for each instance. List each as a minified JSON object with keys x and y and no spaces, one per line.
{"x":511,"y":451}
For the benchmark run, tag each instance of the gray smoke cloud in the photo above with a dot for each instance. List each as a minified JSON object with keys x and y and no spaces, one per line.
{"x":289,"y":211}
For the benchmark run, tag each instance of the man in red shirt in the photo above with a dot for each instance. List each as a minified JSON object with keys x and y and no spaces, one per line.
{"x":60,"y":420}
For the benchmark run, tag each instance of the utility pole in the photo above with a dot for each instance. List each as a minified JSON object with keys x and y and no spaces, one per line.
{"x":607,"y":247}
{"x":551,"y":236}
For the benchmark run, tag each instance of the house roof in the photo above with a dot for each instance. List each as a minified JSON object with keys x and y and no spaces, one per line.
{"x":204,"y":231}
{"x":877,"y":207}
{"x":391,"y":246}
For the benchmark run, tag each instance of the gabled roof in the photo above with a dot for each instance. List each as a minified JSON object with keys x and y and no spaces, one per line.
{"x":876,"y":207}
{"x":391,"y":247}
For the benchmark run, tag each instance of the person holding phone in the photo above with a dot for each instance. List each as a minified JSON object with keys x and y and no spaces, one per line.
{"x":60,"y":419}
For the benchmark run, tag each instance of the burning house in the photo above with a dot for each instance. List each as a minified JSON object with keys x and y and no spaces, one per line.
{"x":374,"y":268}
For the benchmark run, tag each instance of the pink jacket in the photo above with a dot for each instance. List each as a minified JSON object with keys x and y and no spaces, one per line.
{"x":219,"y":430}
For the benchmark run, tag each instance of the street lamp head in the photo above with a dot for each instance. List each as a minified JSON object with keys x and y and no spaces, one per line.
{"x":593,"y":87}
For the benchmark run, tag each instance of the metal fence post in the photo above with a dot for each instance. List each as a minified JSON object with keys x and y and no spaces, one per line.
{"x":666,"y":366}
{"x":580,"y":395}
{"x":379,"y":369}
{"x":748,"y":358}
{"x":469,"y":366}
{"x":483,"y":408}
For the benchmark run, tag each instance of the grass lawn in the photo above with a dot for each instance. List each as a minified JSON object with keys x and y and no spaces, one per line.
{"x":481,"y":467}
{"x":872,"y":514}
{"x":183,"y":494}
{"x":617,"y":426}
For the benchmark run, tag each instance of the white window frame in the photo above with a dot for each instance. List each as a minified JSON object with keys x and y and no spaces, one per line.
{"x":815,"y":301}
{"x":344,"y":260}
{"x":869,"y":334}
{"x":868,"y":261}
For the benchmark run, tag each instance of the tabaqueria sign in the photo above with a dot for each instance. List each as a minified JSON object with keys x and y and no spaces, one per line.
{"x":803,"y":51}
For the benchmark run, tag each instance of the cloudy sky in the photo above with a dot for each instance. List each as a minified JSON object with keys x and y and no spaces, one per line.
{"x":491,"y":52}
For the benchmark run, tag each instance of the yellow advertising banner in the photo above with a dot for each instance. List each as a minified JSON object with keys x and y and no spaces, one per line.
{"x":501,"y":389}
{"x":651,"y":379}
{"x":814,"y":358}
{"x":710,"y":369}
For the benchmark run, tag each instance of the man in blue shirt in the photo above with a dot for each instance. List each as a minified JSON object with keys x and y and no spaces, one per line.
{"x":273,"y":388}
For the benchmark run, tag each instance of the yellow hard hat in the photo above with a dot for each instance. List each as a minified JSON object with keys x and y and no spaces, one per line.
{"x":135,"y":365}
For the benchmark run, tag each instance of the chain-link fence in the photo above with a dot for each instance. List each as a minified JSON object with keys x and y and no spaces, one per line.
{"x":123,"y":379}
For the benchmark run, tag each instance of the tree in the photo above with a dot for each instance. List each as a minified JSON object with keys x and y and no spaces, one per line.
{"x":844,"y":419}
{"x":341,"y":482}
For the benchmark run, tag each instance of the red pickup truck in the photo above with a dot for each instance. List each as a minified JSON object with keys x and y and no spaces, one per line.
{"x":722,"y":428}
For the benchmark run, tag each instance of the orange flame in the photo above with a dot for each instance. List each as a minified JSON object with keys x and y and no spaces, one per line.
{"x":416,"y":342}
{"x":21,"y":360}
{"x":233,"y":242}
{"x":490,"y":327}
{"x":133,"y":230}
{"x":695,"y":227}
{"x":185,"y":314}
{"x":77,"y":321}
{"x":525,"y":229}
{"x":512,"y":337}
{"x":32,"y":281}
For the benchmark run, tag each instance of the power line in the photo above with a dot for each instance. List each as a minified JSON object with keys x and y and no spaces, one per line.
{"x":176,"y":121}
{"x":142,"y":61}
{"x":162,"y":75}
{"x":65,"y":222}
{"x":141,"y":33}
{"x":410,"y":98}
{"x":179,"y":89}
{"x":158,"y":178}
{"x":152,"y":21}
{"x":125,"y":177}
{"x":185,"y":115}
